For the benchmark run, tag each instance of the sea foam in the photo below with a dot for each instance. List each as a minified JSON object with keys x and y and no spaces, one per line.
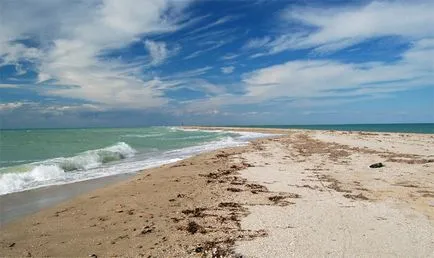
{"x":50,"y":171}
{"x":119,"y":158}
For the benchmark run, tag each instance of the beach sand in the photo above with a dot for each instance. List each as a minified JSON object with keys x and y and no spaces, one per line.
{"x":304,"y":193}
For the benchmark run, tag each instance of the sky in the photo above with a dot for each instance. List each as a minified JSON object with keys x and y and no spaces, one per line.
{"x":111,"y":63}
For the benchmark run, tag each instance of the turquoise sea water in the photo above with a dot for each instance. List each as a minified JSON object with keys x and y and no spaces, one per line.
{"x":41,"y":157}
{"x":427,"y":128}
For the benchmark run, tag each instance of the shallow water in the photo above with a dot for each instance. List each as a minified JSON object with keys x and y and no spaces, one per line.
{"x":42,"y":157}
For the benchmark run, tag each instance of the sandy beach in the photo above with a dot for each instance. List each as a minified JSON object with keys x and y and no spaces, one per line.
{"x":302,"y":193}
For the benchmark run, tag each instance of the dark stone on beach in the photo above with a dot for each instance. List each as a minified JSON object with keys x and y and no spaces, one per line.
{"x":248,"y":164}
{"x":93,"y":255}
{"x":198,"y":249}
{"x":12,"y":245}
{"x":231,"y":189}
{"x":377,"y":165}
{"x":176,"y":220}
{"x":193,"y":228}
{"x":197,"y":212}
{"x":355,"y":197}
{"x":222,"y":155}
{"x":147,"y":229}
{"x":230,"y":205}
{"x":257,"y":188}
{"x":276,"y":198}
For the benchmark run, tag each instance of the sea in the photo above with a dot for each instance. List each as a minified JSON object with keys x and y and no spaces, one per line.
{"x":37,"y":158}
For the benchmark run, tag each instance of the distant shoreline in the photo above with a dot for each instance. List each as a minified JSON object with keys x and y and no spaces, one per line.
{"x":420,"y":128}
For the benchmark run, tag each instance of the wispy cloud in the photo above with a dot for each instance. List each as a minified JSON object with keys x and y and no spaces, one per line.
{"x":158,"y":51}
{"x":209,"y":35}
{"x":215,"y":45}
{"x":201,"y":85}
{"x":320,"y":82}
{"x":328,"y":78}
{"x":46,"y":108}
{"x":191,"y":73}
{"x":229,"y":56}
{"x":332,"y":29}
{"x":257,"y":42}
{"x":218,"y":22}
{"x":228,"y":69}
{"x":8,"y":86}
{"x":10,"y":106}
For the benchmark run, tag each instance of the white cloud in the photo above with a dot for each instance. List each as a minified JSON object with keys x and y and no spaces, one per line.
{"x":228,"y":69}
{"x":257,"y":42}
{"x":20,"y":70}
{"x":42,"y":77}
{"x":62,"y":109}
{"x":213,"y":24}
{"x":10,"y":106}
{"x":194,"y":54}
{"x":308,"y":83}
{"x":73,"y":34}
{"x":328,"y":78}
{"x":257,"y":55}
{"x":218,"y":44}
{"x":190,"y":80}
{"x":210,"y":35}
{"x":8,"y":86}
{"x":14,"y":53}
{"x":190,"y":73}
{"x":332,"y":29}
{"x":201,"y":85}
{"x":229,"y":56}
{"x":56,"y":109}
{"x":159,"y":51}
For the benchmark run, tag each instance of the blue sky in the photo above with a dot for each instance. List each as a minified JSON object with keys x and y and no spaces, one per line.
{"x":132,"y":63}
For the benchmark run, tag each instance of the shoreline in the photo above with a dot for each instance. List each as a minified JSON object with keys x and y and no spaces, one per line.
{"x":16,"y":205}
{"x":126,"y":160}
{"x":173,"y":210}
{"x":417,"y":128}
{"x":278,"y":129}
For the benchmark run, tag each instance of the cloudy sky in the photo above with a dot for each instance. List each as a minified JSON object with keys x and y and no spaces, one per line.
{"x":82,"y":63}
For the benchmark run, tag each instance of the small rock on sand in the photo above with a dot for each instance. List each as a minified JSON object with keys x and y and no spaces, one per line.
{"x":377,"y":165}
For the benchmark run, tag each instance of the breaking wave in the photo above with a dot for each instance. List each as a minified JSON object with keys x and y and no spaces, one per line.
{"x":119,"y":158}
{"x":29,"y":175}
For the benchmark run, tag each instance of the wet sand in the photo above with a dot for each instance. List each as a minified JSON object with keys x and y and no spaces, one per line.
{"x":277,"y":197}
{"x":17,"y":205}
